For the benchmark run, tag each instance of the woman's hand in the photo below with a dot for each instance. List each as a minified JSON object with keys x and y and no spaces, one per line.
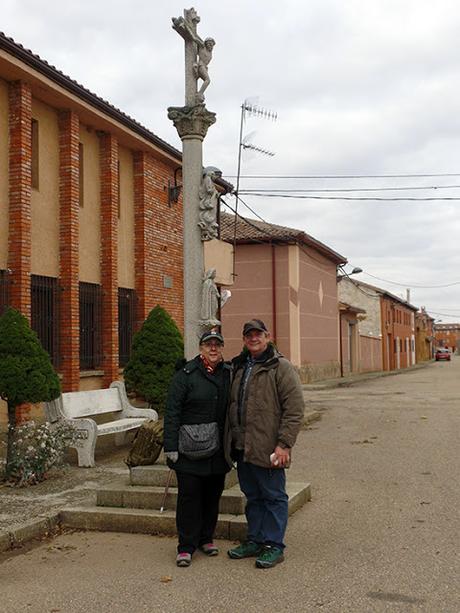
{"x":172,"y":455}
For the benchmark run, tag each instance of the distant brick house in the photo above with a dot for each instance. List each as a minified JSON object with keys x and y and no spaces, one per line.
{"x":448,"y":335}
{"x":289,"y":279}
{"x":388,"y":317}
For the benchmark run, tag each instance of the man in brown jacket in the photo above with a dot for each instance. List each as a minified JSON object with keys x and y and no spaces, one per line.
{"x":265,"y":415}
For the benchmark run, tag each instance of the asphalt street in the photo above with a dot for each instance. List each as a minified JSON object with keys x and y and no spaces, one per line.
{"x":380,"y":534}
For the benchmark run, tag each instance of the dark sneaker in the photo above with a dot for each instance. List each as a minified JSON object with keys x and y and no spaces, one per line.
{"x":269,"y":557}
{"x":248,"y":549}
{"x":183,"y":559}
{"x":209,"y":549}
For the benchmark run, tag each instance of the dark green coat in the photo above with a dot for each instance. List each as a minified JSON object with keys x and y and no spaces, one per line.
{"x":196,"y":396}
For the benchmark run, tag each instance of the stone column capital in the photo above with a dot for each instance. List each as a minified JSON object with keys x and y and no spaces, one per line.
{"x":191,"y":121}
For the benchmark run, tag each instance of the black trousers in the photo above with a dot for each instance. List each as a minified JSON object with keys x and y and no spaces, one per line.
{"x":197,"y":509}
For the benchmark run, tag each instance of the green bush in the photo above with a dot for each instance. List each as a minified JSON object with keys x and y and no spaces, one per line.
{"x":156,"y":348}
{"x":26,"y":372}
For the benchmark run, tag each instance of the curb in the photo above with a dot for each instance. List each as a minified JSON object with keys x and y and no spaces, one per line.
{"x":18,"y":534}
{"x":359,"y":378}
{"x":310,"y":417}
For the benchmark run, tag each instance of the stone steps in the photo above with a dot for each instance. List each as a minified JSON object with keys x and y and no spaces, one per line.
{"x":151,"y":521}
{"x":151,"y":497}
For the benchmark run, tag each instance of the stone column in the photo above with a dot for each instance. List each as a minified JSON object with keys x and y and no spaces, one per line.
{"x":192,"y":124}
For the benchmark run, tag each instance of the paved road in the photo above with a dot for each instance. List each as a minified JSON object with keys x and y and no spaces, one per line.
{"x":381,"y":533}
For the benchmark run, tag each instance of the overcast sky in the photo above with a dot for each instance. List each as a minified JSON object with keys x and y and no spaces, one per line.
{"x":363,"y":87}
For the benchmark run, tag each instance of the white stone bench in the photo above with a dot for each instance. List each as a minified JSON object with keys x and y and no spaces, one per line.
{"x":75,"y":408}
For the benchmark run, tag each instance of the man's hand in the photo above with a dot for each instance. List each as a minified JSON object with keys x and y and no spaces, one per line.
{"x":283,"y":456}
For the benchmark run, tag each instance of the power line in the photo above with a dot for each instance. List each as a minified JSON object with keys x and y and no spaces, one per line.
{"x":411,"y":284}
{"x":355,"y":198}
{"x":384,"y":176}
{"x":445,"y":314}
{"x":350,"y":189}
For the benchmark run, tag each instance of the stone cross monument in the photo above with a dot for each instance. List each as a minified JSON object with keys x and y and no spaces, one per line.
{"x":199,"y":194}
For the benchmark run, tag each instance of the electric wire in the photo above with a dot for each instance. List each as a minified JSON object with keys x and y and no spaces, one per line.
{"x":382,"y":176}
{"x":411,"y":285}
{"x":355,"y":198}
{"x":350,"y":189}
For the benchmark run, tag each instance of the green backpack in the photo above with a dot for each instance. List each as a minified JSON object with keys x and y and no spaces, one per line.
{"x":147,"y":444}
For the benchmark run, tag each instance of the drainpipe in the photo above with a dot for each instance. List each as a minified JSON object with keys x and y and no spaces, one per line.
{"x":273,"y":292}
{"x":340,"y":344}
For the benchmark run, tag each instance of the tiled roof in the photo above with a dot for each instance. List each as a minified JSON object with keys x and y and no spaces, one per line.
{"x":256,"y":231}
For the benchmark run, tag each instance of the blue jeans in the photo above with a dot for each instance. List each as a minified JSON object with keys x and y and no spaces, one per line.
{"x":267,"y":503}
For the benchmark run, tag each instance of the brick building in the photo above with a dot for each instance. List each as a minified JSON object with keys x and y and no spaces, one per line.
{"x":288,"y":279}
{"x":389,"y":318}
{"x":424,"y":336}
{"x":90,"y":238}
{"x":448,"y":335}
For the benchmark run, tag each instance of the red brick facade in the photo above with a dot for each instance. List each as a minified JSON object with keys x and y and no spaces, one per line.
{"x":20,"y":179}
{"x":158,"y":248}
{"x":109,"y":255}
{"x":69,"y":193}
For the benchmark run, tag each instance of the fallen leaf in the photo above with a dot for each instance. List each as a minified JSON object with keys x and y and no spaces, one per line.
{"x":166,"y":579}
{"x":423,"y":417}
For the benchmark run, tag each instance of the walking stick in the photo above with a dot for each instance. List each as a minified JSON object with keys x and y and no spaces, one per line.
{"x":168,"y":481}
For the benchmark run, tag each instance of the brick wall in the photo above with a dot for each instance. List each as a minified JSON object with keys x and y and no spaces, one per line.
{"x":158,"y":248}
{"x":20,"y":173}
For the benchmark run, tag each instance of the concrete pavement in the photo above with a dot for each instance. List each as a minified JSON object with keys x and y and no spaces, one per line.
{"x":381,"y":532}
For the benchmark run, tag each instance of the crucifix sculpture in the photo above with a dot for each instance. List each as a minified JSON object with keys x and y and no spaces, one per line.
{"x":192,"y":122}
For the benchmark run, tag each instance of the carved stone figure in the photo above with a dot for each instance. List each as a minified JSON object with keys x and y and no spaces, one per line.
{"x":209,"y":300}
{"x":200,"y":69}
{"x":208,"y":203}
{"x":202,"y":54}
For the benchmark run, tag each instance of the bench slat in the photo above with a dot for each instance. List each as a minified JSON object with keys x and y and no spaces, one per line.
{"x":92,"y":402}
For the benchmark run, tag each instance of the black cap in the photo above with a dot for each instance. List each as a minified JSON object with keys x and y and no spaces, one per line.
{"x":254,"y":324}
{"x":207,"y":336}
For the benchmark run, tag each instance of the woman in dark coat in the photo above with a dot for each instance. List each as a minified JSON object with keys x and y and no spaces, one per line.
{"x":198,"y":394}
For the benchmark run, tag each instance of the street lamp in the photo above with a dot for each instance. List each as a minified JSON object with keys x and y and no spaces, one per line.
{"x":356,"y":270}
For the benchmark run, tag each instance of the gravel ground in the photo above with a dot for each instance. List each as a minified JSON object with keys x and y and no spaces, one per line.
{"x":381,"y":532}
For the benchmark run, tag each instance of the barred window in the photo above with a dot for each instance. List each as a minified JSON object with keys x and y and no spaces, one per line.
{"x":126,"y":322}
{"x":45,"y":313}
{"x":4,"y":291}
{"x":90,"y":326}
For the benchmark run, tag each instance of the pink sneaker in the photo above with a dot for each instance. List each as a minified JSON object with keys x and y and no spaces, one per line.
{"x":183,"y":559}
{"x":209,"y":549}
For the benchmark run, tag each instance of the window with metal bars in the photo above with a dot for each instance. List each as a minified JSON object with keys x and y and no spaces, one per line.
{"x":4,"y":291}
{"x":126,"y":322}
{"x":90,"y":326}
{"x":45,"y":313}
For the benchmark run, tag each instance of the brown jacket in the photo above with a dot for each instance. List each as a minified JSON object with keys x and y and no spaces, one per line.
{"x":274,"y":407}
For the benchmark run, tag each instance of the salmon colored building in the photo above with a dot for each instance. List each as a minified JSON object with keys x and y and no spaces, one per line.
{"x":289,"y":280}
{"x":398,"y":332}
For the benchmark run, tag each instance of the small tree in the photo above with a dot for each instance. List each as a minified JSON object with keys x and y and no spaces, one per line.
{"x":26,"y":373}
{"x":156,"y":348}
